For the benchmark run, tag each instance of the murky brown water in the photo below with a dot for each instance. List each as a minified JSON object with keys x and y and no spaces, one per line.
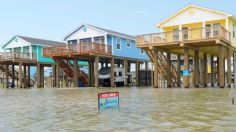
{"x":141,"y":109}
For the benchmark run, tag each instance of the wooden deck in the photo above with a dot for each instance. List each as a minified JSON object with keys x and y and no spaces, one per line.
{"x":16,"y":57}
{"x":82,"y":49}
{"x":194,"y":37}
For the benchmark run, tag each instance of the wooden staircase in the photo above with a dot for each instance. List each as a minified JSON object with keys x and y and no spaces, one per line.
{"x":162,"y":65}
{"x":67,"y":67}
{"x":3,"y":69}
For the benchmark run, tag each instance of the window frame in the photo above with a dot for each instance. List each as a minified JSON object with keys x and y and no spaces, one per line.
{"x":129,"y":43}
{"x":117,"y":43}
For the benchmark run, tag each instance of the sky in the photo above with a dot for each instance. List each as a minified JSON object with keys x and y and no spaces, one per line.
{"x":54,"y":19}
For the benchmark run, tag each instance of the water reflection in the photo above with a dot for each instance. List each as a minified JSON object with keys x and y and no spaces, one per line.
{"x":142,"y":109}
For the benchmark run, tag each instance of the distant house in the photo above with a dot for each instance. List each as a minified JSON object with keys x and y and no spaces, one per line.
{"x":123,"y":45}
{"x":22,"y":44}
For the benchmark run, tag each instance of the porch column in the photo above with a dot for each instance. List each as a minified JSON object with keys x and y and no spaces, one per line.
{"x":221,"y":66}
{"x":155,"y":69}
{"x":20,"y":75}
{"x":146,"y":70}
{"x":212,"y":71}
{"x":178,"y":71}
{"x":112,"y":72}
{"x":76,"y":73}
{"x":7,"y":75}
{"x":186,"y":67}
{"x":196,"y":69}
{"x":180,"y":33}
{"x":229,"y":81}
{"x":168,"y":71}
{"x":126,"y":71}
{"x":137,"y":72}
{"x":205,"y":70}
{"x":96,"y":68}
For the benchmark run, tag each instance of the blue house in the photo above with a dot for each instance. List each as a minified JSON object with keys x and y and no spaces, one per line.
{"x":123,"y":45}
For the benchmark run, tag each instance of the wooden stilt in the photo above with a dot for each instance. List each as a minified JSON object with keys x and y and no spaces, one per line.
{"x":178,"y":71}
{"x":229,"y":79}
{"x":20,"y":75}
{"x":196,"y":69}
{"x":155,"y":69}
{"x":76,"y":72}
{"x":126,"y":71}
{"x":146,"y":70}
{"x":186,"y":67}
{"x":96,"y":68}
{"x":112,"y":72}
{"x":221,"y":66}
{"x":13,"y":76}
{"x":205,"y":75}
{"x":234,"y":57}
{"x":7,"y":75}
{"x":168,"y":71}
{"x":25,"y":77}
{"x":58,"y":75}
{"x":212,"y":71}
{"x":137,"y":73}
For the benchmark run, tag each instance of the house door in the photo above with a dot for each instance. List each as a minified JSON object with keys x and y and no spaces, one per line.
{"x":176,"y":34}
{"x":216,"y":29}
{"x":208,"y":30}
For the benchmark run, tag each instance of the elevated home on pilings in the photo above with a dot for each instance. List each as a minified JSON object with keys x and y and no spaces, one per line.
{"x":20,"y":54}
{"x":198,"y":33}
{"x":100,"y":48}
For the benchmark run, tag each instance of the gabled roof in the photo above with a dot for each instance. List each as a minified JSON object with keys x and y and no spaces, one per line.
{"x":111,"y":32}
{"x":189,"y":6}
{"x":36,"y":41}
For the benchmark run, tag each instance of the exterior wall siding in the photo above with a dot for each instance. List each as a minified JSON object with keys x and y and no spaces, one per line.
{"x":125,"y":51}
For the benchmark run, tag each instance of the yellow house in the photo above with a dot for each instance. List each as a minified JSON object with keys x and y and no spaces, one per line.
{"x":195,"y":32}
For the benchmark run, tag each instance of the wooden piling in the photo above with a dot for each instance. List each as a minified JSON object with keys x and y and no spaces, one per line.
{"x":196,"y":69}
{"x":186,"y":67}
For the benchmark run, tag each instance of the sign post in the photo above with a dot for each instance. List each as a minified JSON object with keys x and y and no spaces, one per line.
{"x":109,"y":100}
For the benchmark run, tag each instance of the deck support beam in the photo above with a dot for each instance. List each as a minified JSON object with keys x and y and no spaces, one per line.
{"x":212,"y":71}
{"x":112,"y":72}
{"x":20,"y":75}
{"x":168,"y":71}
{"x":229,"y":81}
{"x":178,"y":71}
{"x":76,"y":72}
{"x":155,"y":69}
{"x":221,"y":69}
{"x":205,"y":75}
{"x":96,"y":68}
{"x":196,"y":69}
{"x":137,"y":73}
{"x":186,"y":67}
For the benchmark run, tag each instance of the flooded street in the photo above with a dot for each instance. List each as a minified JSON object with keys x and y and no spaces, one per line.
{"x":141,"y":109}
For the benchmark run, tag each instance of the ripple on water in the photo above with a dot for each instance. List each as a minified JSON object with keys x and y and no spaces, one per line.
{"x":142,"y":109}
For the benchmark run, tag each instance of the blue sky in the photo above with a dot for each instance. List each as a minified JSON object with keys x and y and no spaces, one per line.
{"x":54,"y":19}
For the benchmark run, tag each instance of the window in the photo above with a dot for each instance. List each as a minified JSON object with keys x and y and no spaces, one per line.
{"x":128,"y":44}
{"x":176,"y":34}
{"x":142,"y":51}
{"x":185,"y":33}
{"x":118,"y":44}
{"x":233,"y":31}
{"x":216,"y":29}
{"x":208,"y":30}
{"x":114,"y":74}
{"x":99,"y":40}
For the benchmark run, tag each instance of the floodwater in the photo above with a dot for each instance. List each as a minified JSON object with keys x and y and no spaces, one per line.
{"x":141,"y":109}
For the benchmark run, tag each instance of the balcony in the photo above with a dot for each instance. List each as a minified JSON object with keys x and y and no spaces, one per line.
{"x":195,"y":35}
{"x":78,"y":49}
{"x":18,"y":56}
